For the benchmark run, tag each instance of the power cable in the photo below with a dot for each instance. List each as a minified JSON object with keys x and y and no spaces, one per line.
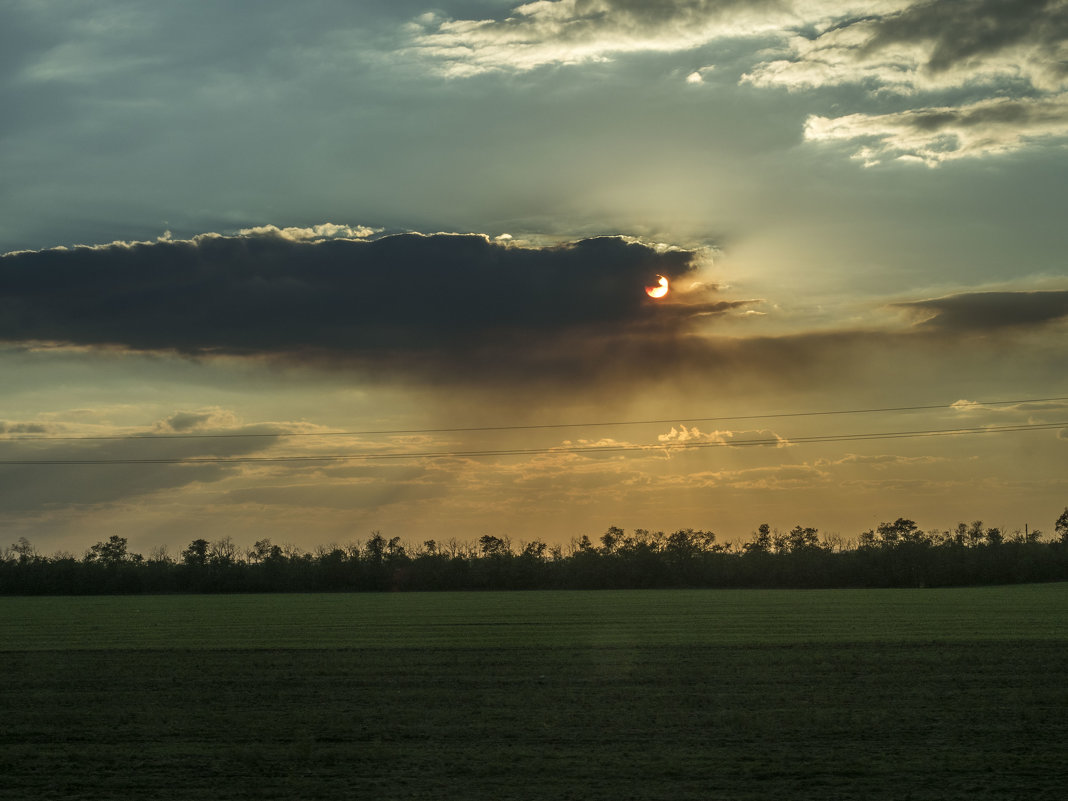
{"x":530,"y":427}
{"x":663,"y":446}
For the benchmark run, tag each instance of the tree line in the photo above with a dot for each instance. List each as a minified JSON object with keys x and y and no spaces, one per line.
{"x":894,"y":554}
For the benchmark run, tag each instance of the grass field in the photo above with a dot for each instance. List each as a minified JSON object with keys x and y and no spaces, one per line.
{"x":897,"y":694}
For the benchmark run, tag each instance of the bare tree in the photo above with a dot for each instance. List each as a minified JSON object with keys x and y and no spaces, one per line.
{"x":23,"y":550}
{"x":223,"y":551}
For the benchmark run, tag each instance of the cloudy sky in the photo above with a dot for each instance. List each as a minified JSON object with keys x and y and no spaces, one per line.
{"x":304,"y":271}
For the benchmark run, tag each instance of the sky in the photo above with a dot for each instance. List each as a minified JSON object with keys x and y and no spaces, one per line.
{"x":306,"y":271}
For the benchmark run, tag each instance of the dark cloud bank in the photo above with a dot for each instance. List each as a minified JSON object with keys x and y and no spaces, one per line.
{"x":990,"y":311}
{"x":408,"y":295}
{"x":446,"y":307}
{"x":37,"y":474}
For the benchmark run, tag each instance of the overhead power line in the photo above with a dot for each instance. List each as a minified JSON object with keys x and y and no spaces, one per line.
{"x":528,"y":427}
{"x":458,"y":454}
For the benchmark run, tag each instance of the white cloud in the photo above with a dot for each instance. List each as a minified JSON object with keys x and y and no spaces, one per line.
{"x":863,"y":52}
{"x":900,"y":48}
{"x":1036,"y":412}
{"x":682,"y":434}
{"x":1013,"y":53}
{"x":932,"y":136}
{"x":583,"y":31}
{"x":314,"y":233}
{"x":835,"y":57}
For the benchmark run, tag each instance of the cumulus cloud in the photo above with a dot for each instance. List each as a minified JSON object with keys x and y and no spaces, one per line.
{"x":682,"y":434}
{"x":314,"y":233}
{"x":989,"y":311}
{"x":692,"y":436}
{"x":935,"y":135}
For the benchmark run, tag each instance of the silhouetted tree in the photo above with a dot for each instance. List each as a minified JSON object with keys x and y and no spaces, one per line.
{"x":24,"y":550}
{"x":900,"y":532}
{"x":260,"y":550}
{"x":762,"y":542}
{"x":960,"y":534}
{"x":197,"y":553}
{"x":612,"y":538}
{"x":801,"y":538}
{"x":111,"y":553}
{"x":895,"y":554}
{"x":222,"y":552}
{"x":375,"y":548}
{"x":1061,"y":526}
{"x":780,"y":541}
{"x":584,"y":545}
{"x":488,"y":545}
{"x":534,"y":550}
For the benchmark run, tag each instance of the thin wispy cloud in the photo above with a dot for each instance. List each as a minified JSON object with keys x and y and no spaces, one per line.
{"x":571,"y":32}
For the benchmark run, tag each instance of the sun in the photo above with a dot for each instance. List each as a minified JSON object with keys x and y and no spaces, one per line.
{"x":659,"y":290}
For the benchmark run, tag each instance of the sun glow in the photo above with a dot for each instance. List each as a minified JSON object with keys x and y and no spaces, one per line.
{"x":659,"y":290}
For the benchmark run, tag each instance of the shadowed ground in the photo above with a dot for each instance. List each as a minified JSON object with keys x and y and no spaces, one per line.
{"x":595,"y":720}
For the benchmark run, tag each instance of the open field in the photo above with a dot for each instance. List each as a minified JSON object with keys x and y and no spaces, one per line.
{"x":644,"y":695}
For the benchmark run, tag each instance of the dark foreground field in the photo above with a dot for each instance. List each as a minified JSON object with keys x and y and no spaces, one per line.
{"x":651,"y":695}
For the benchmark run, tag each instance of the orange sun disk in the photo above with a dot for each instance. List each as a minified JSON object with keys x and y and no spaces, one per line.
{"x":659,"y":290}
